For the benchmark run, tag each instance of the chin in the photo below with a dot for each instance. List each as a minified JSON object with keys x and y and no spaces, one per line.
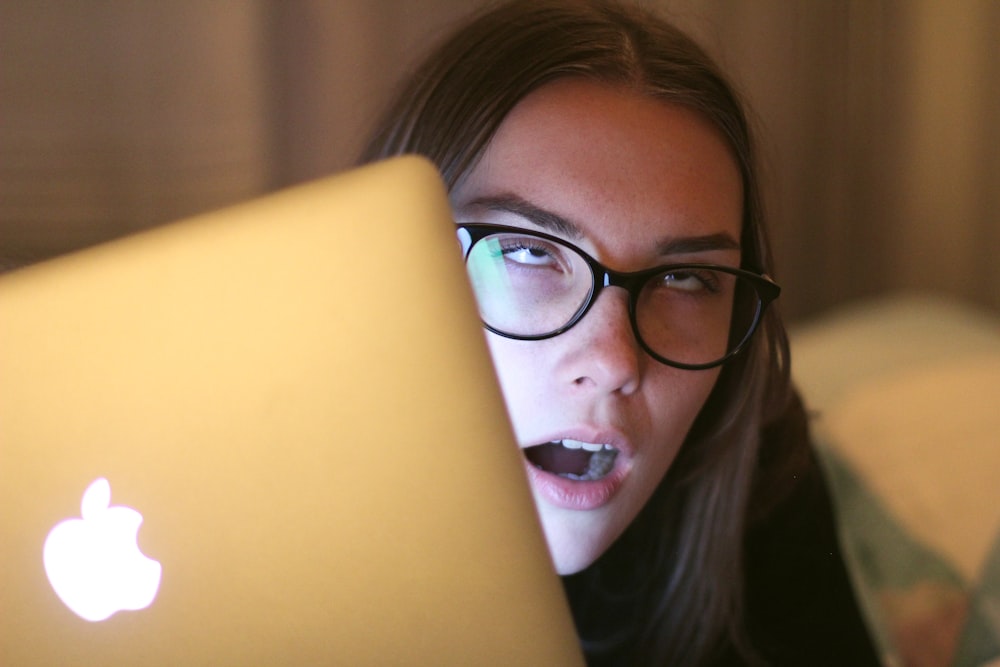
{"x":574,"y":547}
{"x":570,"y":564}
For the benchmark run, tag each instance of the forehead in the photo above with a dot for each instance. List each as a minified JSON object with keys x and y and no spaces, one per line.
{"x":620,"y":165}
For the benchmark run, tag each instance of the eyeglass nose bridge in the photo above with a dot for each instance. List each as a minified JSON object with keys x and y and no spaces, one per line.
{"x":603,"y":277}
{"x":630,"y":282}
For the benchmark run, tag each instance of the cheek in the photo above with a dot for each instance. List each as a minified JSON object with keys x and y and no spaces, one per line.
{"x":691,"y":388}
{"x":674,"y":398}
{"x":520,"y":367}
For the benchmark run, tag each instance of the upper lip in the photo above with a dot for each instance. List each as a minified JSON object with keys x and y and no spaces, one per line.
{"x":597,"y":436}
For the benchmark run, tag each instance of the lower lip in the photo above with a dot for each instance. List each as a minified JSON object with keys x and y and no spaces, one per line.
{"x":573,"y":495}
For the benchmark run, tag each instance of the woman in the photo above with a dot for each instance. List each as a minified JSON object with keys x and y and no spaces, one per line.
{"x":602,"y":175}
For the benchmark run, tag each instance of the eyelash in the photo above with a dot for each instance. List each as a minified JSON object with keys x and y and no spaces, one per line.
{"x":535,"y":250}
{"x":706,"y":278}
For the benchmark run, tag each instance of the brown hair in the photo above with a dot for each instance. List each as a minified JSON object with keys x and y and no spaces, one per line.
{"x":669,"y":591}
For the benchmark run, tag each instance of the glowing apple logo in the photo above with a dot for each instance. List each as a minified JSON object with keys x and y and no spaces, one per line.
{"x":94,"y":563}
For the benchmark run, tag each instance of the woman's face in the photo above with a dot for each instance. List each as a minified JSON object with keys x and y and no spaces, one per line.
{"x":628,"y":179}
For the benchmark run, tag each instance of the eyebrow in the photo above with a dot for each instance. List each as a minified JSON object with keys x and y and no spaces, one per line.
{"x":685,"y":245}
{"x":555,"y":223}
{"x":547,"y":220}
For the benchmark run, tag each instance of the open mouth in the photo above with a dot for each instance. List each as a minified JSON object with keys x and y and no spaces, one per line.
{"x":573,"y":459}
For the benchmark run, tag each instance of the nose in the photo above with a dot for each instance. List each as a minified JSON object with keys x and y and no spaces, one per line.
{"x":603,"y":353}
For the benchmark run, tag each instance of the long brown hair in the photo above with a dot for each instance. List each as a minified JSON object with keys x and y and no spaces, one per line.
{"x":669,"y":591}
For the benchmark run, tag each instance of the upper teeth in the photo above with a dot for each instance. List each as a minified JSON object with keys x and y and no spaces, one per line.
{"x":579,"y":444}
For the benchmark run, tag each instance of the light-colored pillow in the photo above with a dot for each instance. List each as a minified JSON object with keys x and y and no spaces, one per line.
{"x":906,"y":396}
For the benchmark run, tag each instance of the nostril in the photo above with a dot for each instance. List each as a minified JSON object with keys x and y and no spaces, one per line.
{"x":605,"y":352}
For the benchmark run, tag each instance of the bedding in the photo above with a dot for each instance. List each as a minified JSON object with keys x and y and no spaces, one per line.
{"x":905,"y":397}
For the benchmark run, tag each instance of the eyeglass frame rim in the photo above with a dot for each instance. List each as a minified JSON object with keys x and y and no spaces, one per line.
{"x":632,"y":282}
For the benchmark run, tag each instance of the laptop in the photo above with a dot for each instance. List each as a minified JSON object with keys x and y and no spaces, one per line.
{"x":267,"y":435}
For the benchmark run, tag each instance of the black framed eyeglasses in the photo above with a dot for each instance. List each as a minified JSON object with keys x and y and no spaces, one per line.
{"x":532,"y":286}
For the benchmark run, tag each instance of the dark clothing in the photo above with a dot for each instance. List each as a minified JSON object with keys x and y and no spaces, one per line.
{"x":799,"y":605}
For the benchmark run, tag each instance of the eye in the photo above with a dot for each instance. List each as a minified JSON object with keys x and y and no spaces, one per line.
{"x":536,"y":256}
{"x":690,"y":280}
{"x":530,"y":252}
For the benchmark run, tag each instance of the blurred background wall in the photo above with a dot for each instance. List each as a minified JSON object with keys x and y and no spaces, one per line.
{"x":879,"y":119}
